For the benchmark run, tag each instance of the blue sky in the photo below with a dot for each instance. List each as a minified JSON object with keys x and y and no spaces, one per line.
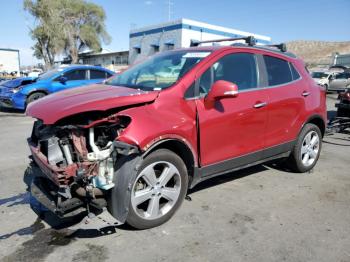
{"x":282,"y":20}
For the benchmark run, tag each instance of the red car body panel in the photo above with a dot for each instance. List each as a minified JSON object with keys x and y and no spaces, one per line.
{"x":230,"y":128}
{"x":231,"y":119}
{"x":88,"y":98}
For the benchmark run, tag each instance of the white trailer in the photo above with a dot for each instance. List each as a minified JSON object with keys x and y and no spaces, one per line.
{"x":9,"y":61}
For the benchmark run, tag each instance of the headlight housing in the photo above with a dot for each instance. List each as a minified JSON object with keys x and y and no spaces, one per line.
{"x":16,"y":89}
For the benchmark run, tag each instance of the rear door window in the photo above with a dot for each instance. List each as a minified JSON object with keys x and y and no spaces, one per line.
{"x":278,"y":71}
{"x":97,"y":74}
{"x":340,"y":76}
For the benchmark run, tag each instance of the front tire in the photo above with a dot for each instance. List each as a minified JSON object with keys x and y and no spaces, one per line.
{"x":158,"y":190}
{"x":35,"y":96}
{"x":306,"y":150}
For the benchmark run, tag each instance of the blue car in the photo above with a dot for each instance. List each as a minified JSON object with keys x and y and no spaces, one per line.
{"x":19,"y":96}
{"x":8,"y":85}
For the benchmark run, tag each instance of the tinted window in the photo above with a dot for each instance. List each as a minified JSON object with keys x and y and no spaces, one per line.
{"x":340,"y":76}
{"x":190,"y":91}
{"x":318,"y":74}
{"x":295,"y":74}
{"x":97,"y":74}
{"x":239,"y":68}
{"x":278,"y":71}
{"x":205,"y":82}
{"x":75,"y":75}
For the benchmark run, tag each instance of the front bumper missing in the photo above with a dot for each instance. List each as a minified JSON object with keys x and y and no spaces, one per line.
{"x":50,"y":200}
{"x":47,"y":177}
{"x":102,"y":222}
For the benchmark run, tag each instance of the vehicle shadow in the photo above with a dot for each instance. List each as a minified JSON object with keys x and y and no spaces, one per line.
{"x":20,"y":199}
{"x":63,"y":225}
{"x":231,"y":176}
{"x":11,"y":112}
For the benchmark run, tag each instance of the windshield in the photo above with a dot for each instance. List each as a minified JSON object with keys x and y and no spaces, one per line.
{"x":319,"y":74}
{"x":159,"y":72}
{"x":49,"y":74}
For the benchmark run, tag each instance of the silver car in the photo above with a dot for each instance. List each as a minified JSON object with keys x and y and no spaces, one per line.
{"x":339,"y":82}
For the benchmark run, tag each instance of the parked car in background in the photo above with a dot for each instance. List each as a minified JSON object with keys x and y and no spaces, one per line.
{"x":322,"y":78}
{"x":14,"y":84}
{"x":52,"y":81}
{"x":35,"y":72}
{"x":339,"y":81}
{"x":344,"y":104}
{"x":136,"y":143}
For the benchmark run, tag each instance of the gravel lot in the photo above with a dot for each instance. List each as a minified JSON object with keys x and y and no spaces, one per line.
{"x":258,"y":214}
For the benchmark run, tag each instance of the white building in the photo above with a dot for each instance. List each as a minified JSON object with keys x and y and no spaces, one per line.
{"x":148,"y":40}
{"x":114,"y":61}
{"x":9,"y":61}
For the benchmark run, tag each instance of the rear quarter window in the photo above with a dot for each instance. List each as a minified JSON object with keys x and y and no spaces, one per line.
{"x":295,"y":74}
{"x":278,"y":71}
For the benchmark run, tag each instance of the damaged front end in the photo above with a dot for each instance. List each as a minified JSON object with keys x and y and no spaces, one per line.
{"x":80,"y":165}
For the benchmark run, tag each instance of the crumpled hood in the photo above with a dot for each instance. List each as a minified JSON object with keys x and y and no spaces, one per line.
{"x":96,"y":97}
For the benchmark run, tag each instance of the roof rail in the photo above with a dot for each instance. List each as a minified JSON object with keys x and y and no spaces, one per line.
{"x":250,"y":40}
{"x":282,"y":47}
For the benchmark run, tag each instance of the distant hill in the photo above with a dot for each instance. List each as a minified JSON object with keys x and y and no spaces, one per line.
{"x":318,"y":52}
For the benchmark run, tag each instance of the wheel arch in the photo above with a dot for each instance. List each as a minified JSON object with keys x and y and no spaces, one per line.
{"x":38,"y":91}
{"x":44,"y":91}
{"x":179,"y":147}
{"x":318,"y":121}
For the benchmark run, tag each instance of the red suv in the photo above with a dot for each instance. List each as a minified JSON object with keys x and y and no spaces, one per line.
{"x":136,"y":143}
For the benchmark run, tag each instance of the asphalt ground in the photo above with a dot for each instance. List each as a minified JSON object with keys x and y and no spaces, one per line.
{"x":263,"y":213}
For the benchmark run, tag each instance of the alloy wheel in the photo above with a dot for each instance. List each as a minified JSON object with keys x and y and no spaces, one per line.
{"x":310,"y":148}
{"x":156,"y":190}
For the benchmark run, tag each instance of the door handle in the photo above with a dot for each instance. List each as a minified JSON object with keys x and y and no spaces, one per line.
{"x":305,"y":93}
{"x":260,"y":105}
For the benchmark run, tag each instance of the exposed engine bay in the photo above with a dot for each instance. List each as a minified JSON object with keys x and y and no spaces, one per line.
{"x":78,"y":160}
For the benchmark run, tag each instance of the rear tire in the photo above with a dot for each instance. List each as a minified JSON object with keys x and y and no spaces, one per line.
{"x":158,"y":190}
{"x":35,"y":96}
{"x":306,"y":150}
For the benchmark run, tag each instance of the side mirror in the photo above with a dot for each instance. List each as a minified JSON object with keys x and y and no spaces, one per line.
{"x":63,"y":79}
{"x":222,"y":89}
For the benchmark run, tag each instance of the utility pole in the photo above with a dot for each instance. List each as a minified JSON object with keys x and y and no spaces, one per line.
{"x":170,"y":5}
